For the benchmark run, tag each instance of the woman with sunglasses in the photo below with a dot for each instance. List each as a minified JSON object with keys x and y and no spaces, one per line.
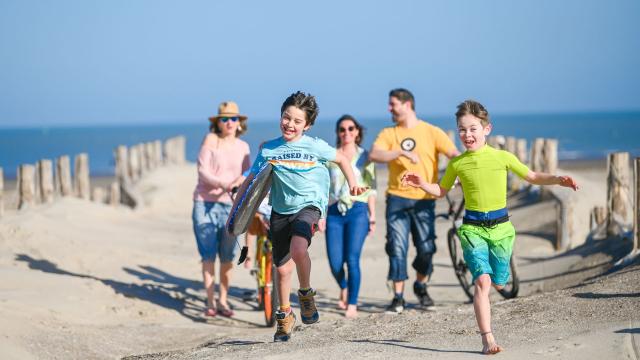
{"x":222,"y":160}
{"x":350,"y":219}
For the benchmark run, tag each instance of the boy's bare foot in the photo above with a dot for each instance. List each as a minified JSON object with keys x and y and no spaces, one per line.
{"x":489,"y":345}
{"x":352,"y":312}
{"x":342,"y":302}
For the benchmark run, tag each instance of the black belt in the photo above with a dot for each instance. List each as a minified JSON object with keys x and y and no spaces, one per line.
{"x":486,"y":223}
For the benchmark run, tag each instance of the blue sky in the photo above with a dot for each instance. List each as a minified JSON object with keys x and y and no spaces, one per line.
{"x":138,"y":61}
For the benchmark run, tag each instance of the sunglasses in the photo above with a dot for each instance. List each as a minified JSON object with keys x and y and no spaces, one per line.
{"x":232,"y":118}
{"x":350,"y":129}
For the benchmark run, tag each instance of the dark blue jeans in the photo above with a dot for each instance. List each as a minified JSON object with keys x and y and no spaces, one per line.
{"x":406,"y":216}
{"x":345,"y":237}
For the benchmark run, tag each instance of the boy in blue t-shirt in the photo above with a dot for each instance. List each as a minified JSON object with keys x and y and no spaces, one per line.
{"x":299,"y":196}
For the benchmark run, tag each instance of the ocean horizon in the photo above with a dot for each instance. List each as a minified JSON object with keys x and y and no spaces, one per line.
{"x":581,"y":136}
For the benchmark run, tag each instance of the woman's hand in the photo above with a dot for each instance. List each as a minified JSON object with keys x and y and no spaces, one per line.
{"x":358,"y":190}
{"x":372,"y":226}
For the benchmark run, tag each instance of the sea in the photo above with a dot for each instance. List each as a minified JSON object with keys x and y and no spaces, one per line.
{"x":581,"y":136}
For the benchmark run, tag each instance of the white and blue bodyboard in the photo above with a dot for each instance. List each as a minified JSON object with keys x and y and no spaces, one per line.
{"x":246,"y":204}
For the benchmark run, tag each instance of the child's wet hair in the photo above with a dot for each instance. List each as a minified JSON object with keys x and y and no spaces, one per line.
{"x":304,"y":102}
{"x":472,"y":107}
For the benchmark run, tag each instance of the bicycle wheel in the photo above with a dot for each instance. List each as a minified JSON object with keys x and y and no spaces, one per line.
{"x":510,"y":290}
{"x":270,"y":295}
{"x":459,"y":266}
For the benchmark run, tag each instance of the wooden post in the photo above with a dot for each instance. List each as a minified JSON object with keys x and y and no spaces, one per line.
{"x":1,"y":193}
{"x":513,"y":181}
{"x":550,"y":156}
{"x":134,"y":165}
{"x":182,"y":149}
{"x":564,"y":223}
{"x":521,"y":152}
{"x":550,"y":160}
{"x":618,"y":194}
{"x":536,"y":154}
{"x":45,"y":178}
{"x":598,"y":217}
{"x":636,"y":204}
{"x":122,"y":165}
{"x":81,"y":176}
{"x":114,"y":194}
{"x":63,"y":175}
{"x":158,"y":152}
{"x":168,"y":151}
{"x":26,"y":186}
{"x":97,"y":195}
{"x":142,"y":159}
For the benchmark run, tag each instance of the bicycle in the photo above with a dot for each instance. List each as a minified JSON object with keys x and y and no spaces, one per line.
{"x":460,"y":268}
{"x":266,"y":277}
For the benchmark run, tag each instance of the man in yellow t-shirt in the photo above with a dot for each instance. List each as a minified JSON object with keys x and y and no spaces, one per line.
{"x":411,"y":145}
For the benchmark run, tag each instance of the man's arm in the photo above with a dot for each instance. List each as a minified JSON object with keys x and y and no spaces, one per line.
{"x":384,"y":156}
{"x":452,"y":153}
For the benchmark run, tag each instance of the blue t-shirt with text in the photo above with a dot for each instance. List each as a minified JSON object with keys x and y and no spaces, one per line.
{"x":300,"y":177}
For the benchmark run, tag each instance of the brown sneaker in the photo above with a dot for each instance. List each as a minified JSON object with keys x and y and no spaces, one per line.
{"x":285,"y":323}
{"x":308,"y":312}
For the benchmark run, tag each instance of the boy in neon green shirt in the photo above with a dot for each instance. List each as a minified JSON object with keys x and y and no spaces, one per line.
{"x":486,"y":235}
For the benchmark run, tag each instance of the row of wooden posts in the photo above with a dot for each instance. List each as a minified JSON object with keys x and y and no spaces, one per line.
{"x":39,"y":183}
{"x":617,"y":218}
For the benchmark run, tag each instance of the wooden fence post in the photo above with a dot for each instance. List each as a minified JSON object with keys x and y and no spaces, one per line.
{"x":158,"y":152}
{"x":81,"y":176}
{"x":26,"y":186}
{"x":636,"y":204}
{"x":1,"y":193}
{"x":598,"y":217}
{"x":550,"y":160}
{"x":45,"y":178}
{"x":521,"y":152}
{"x":97,"y":195}
{"x":63,"y":175}
{"x":182,"y":149}
{"x":536,"y":154}
{"x":142,"y":160}
{"x":114,"y":194}
{"x":619,"y":206}
{"x":134,"y":165}
{"x":564,"y":222}
{"x":122,"y":165}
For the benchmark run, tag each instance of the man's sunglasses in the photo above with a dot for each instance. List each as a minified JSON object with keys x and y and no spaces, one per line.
{"x":350,"y":129}
{"x":232,"y":118}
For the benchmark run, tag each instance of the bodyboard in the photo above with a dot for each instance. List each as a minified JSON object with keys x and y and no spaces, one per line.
{"x":246,"y":204}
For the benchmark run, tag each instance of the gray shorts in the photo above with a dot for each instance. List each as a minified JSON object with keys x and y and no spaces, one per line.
{"x":283,"y":226}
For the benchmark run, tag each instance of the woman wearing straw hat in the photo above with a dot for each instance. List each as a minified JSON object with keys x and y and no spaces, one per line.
{"x":222,"y":160}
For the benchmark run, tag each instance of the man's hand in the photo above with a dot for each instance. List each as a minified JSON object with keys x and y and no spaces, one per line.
{"x":567,"y":181}
{"x":413,"y":157}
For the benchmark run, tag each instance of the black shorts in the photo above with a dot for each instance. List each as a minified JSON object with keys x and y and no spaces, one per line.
{"x":283,"y":226}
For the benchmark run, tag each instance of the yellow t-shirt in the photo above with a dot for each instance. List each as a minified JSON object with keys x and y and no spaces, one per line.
{"x":423,"y":139}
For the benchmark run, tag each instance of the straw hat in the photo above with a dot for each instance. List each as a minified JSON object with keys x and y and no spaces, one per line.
{"x":228,"y":109}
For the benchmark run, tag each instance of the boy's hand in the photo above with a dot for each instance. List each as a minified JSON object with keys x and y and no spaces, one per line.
{"x":412,"y":179}
{"x":411,"y":156}
{"x":567,"y":181}
{"x":322,"y":225}
{"x":357,"y":190}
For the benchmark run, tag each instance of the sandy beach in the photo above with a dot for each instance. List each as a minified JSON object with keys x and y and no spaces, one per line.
{"x":84,"y":280}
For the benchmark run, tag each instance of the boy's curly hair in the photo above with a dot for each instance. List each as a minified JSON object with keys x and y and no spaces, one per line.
{"x":304,"y":102}
{"x":472,"y":107}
